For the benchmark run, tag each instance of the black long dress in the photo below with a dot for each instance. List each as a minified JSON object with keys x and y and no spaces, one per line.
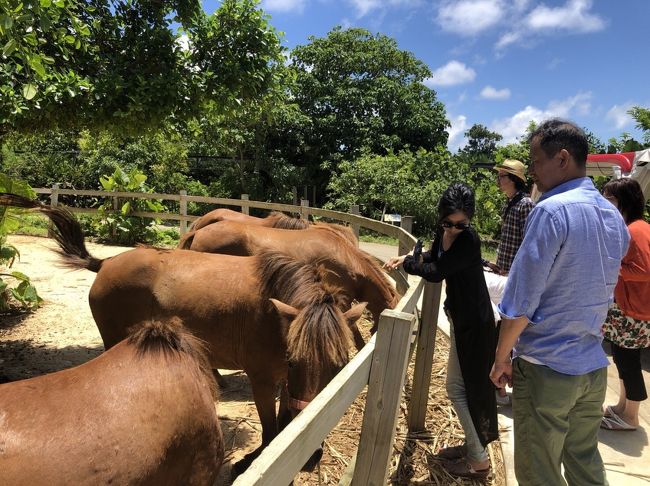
{"x":468,"y":304}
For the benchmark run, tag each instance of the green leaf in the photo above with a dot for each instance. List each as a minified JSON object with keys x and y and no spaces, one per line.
{"x":46,"y":3}
{"x":29,"y":91}
{"x":20,"y":276}
{"x":9,"y":47}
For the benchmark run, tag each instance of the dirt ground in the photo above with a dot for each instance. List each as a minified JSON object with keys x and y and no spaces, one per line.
{"x":62,"y":334}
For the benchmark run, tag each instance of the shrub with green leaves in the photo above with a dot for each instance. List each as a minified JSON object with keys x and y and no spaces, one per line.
{"x":16,"y":290}
{"x":117,"y":223}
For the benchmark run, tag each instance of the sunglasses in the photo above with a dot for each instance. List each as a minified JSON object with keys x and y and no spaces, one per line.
{"x":449,"y":224}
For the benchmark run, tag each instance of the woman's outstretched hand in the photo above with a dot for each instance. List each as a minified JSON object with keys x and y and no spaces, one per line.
{"x":394,"y":262}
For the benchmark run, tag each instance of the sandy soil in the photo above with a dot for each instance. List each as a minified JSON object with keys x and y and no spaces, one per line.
{"x":62,"y":334}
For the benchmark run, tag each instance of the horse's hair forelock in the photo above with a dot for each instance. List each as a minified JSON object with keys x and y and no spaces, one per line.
{"x":282,"y":221}
{"x":317,"y":335}
{"x":170,"y":338}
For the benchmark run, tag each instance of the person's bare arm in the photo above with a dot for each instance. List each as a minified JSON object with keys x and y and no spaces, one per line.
{"x":501,"y":373}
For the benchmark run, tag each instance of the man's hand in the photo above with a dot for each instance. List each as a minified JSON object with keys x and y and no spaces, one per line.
{"x":493,"y":267}
{"x":501,"y":374}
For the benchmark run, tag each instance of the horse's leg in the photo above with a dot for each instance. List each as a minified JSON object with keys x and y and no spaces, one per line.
{"x":221,"y":380}
{"x":264,"y":395}
{"x":359,"y":342}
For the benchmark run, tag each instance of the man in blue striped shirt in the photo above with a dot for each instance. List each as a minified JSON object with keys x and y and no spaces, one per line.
{"x":556,"y":299}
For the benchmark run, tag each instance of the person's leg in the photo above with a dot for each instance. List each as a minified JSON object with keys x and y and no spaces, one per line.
{"x":476,"y":454}
{"x":633,"y":391}
{"x":582,"y":462}
{"x":541,"y":401}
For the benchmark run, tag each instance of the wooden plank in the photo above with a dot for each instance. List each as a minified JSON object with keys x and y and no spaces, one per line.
{"x":288,"y":452}
{"x":424,"y":358}
{"x":138,"y":195}
{"x":384,"y":394}
{"x":410,"y":299}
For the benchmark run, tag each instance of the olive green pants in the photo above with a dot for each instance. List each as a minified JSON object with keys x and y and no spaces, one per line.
{"x":556,"y":422}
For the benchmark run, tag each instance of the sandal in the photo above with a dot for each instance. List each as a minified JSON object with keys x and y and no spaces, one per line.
{"x":452,"y":453}
{"x":614,"y":422}
{"x":464,"y":469}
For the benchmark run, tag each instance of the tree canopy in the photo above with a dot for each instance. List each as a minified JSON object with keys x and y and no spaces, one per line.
{"x":120,"y":63}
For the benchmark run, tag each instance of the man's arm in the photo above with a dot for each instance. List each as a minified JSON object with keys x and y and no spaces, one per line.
{"x":501,"y":373}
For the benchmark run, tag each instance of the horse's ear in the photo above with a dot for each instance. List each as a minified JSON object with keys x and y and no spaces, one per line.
{"x":285,"y":310}
{"x":355,"y":312}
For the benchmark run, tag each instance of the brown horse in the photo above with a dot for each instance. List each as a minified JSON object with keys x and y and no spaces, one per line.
{"x":274,"y":220}
{"x":141,"y":413}
{"x":354,"y":270}
{"x":259,"y":314}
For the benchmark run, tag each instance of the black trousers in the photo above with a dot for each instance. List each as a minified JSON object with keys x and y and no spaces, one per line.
{"x":628,"y":364}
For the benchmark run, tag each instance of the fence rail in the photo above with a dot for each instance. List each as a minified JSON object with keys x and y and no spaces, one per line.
{"x":380,"y":365}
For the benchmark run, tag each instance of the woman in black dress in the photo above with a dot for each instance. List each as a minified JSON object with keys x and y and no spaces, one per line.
{"x":455,"y":257}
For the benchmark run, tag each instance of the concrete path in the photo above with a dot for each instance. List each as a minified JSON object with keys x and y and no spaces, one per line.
{"x":626,"y":454}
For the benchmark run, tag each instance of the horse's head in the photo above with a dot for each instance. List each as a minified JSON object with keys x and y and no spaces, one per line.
{"x":318,"y":338}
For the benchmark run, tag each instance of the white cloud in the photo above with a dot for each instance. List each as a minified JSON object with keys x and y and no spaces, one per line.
{"x":470,"y":17}
{"x":452,"y":73}
{"x":283,"y":5}
{"x":515,"y":126}
{"x":574,"y":17}
{"x":184,"y":42}
{"x":456,"y":132}
{"x":490,"y":93}
{"x":363,"y":7}
{"x":619,"y":116}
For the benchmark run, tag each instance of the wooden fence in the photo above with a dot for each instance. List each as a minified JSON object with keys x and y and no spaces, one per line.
{"x":381,"y":364}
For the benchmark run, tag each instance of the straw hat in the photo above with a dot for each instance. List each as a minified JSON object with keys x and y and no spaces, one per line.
{"x":514,"y":167}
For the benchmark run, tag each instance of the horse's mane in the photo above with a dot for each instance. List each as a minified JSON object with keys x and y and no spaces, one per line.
{"x":344,"y":231}
{"x":359,"y":261}
{"x":282,"y":221}
{"x":316,"y":336}
{"x":170,"y":338}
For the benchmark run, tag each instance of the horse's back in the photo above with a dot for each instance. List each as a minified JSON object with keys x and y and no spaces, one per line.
{"x":206,"y":290}
{"x":124,"y":417}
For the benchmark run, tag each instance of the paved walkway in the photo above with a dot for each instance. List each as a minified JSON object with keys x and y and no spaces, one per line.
{"x":626,"y":454}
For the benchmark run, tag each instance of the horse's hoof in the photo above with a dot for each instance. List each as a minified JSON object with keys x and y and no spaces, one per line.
{"x":240,"y":466}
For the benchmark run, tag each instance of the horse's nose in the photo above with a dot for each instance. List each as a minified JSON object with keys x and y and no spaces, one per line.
{"x":313,"y":460}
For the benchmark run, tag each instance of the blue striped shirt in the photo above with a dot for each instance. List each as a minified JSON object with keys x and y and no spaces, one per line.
{"x":563,"y":276}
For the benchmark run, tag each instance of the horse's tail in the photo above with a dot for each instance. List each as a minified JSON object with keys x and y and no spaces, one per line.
{"x":186,"y":240}
{"x":172,"y":339}
{"x":67,"y":232}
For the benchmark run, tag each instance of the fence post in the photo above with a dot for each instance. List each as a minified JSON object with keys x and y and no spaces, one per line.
{"x":244,"y":208}
{"x":54,"y":201}
{"x":182,"y":207}
{"x":304,"y":203}
{"x":354,"y":209}
{"x":387,"y":373}
{"x":294,"y":192}
{"x":407,"y":225}
{"x":424,"y":356}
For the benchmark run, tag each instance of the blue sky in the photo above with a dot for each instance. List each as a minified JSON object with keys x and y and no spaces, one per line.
{"x":503,"y":63}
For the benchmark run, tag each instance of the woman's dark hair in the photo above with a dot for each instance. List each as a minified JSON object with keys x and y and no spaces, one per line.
{"x":457,"y":197}
{"x":630,"y":197}
{"x":556,"y":134}
{"x":519,"y":184}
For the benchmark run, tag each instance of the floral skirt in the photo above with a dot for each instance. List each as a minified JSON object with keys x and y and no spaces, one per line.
{"x":624,"y":331}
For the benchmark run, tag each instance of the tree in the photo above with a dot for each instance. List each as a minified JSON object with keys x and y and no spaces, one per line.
{"x":120,"y":64}
{"x":481,"y":143}
{"x":361,"y":92}
{"x":642,"y":117}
